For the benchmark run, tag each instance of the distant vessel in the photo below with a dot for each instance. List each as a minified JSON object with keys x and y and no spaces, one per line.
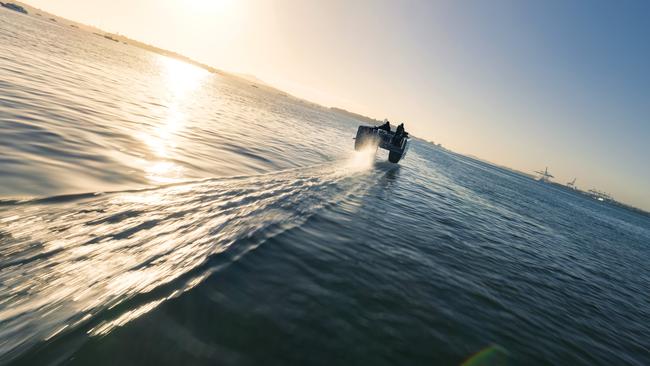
{"x":599,"y":195}
{"x":110,"y":38}
{"x":544,"y":176}
{"x":14,"y":7}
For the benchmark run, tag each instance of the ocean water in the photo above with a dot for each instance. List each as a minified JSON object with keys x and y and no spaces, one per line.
{"x":154,"y":213}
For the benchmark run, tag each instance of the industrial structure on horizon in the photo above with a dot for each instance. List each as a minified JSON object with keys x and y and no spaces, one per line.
{"x":545,"y":177}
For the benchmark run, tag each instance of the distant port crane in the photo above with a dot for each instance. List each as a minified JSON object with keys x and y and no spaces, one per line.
{"x":572,"y":184}
{"x":544,"y":176}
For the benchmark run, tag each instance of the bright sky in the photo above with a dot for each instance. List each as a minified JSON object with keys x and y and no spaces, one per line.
{"x":526,"y":84}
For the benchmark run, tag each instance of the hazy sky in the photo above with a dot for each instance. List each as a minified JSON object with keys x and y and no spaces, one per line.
{"x":526,"y":84}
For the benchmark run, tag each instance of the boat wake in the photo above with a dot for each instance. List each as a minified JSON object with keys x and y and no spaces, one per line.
{"x":67,"y":259}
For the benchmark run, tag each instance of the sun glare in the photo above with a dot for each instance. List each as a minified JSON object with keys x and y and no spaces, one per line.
{"x":212,"y":5}
{"x":180,"y":81}
{"x":181,"y":78}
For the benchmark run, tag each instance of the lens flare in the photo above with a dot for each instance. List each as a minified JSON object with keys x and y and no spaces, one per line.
{"x":494,"y":355}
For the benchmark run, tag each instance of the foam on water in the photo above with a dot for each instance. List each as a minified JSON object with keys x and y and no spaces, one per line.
{"x":64,"y":262}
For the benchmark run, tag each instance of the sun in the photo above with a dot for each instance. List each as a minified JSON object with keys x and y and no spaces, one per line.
{"x":210,"y":6}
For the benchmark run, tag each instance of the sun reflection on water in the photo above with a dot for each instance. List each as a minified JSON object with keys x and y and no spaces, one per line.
{"x":180,"y":82}
{"x":181,"y":78}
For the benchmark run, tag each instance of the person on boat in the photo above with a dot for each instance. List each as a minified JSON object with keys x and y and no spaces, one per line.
{"x":400,"y":134}
{"x":385,"y":126}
